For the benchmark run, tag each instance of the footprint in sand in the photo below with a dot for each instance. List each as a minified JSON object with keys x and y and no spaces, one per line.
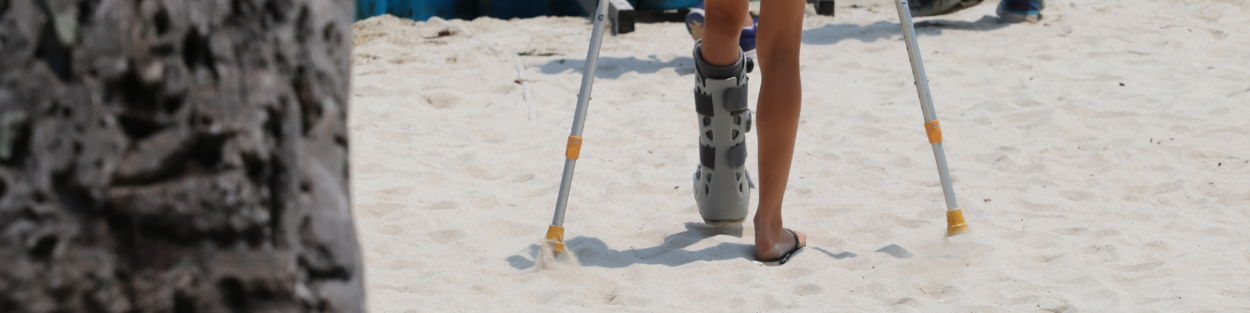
{"x":481,"y":172}
{"x":909,"y":301}
{"x":368,"y":168}
{"x":909,"y":223}
{"x":369,"y":91}
{"x":1078,"y":195}
{"x":405,"y":59}
{"x":1142,"y":267}
{"x":1046,"y":258}
{"x":1160,"y":248}
{"x":381,"y":208}
{"x":1072,"y":231}
{"x":388,"y":229}
{"x":523,"y":178}
{"x":807,"y":289}
{"x":446,"y":236}
{"x":393,"y":193}
{"x":866,"y":131}
{"x":465,"y":159}
{"x":441,"y":99}
{"x":1106,"y":233}
{"x":392,"y":137}
{"x":445,"y":205}
{"x":1105,"y":252}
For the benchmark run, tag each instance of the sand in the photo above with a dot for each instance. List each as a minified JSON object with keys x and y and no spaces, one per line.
{"x":1101,"y":158}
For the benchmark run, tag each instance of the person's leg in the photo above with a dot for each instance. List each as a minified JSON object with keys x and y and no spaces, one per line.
{"x":746,"y":38}
{"x":721,"y":183}
{"x":722,"y":25}
{"x":779,"y":36}
{"x":694,"y":21}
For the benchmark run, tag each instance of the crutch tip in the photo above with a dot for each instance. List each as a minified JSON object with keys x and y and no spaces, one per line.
{"x":555,"y":238}
{"x":956,"y":230}
{"x":955,"y":224}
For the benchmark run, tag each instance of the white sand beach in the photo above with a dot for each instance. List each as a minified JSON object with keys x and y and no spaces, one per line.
{"x":1101,"y":158}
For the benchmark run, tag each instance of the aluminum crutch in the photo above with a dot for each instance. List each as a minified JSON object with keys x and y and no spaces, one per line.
{"x":955,"y":224}
{"x":555,"y":233}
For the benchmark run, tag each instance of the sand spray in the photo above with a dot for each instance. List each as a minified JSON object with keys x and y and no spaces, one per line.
{"x":547,"y":260}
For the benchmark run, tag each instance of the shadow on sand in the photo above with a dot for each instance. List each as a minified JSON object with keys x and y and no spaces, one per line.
{"x":834,"y":33}
{"x":594,"y":252}
{"x":613,"y":68}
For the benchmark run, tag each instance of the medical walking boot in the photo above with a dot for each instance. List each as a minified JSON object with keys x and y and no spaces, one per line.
{"x":722,"y":187}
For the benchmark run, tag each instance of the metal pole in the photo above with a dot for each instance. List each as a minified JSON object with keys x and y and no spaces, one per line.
{"x":556,"y":231}
{"x":954,"y":217}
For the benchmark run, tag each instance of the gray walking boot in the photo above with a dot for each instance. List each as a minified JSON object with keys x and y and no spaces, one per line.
{"x":722,"y":187}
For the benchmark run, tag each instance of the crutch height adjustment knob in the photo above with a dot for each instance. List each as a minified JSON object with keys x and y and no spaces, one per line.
{"x":934,"y":129}
{"x":574,"y":148}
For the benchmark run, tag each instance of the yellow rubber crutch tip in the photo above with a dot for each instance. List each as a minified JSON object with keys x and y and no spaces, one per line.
{"x":555,"y":237}
{"x":955,"y":224}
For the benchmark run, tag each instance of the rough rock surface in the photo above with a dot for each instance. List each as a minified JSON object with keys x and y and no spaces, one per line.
{"x":176,"y":156}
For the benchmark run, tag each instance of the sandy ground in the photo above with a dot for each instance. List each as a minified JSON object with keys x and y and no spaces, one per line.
{"x":1102,"y":159}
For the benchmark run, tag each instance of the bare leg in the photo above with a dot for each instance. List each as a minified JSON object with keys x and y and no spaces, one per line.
{"x":778,"y":38}
{"x":722,"y":25}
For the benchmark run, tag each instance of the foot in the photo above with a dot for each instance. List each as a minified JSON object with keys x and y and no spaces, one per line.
{"x":773,"y":245}
{"x":1017,"y":11}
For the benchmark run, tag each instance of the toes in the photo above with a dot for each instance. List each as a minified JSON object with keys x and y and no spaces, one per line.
{"x":802,"y":239}
{"x":769,"y":250}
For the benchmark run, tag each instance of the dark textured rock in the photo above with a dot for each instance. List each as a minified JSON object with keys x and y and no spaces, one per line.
{"x":176,"y":156}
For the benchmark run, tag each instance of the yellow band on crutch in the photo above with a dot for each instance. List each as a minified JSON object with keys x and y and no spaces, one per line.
{"x":934,"y":130}
{"x":574,"y":149}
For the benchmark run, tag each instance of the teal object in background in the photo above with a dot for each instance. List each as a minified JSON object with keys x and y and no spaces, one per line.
{"x":663,"y":4}
{"x":424,"y":9}
{"x":369,"y":8}
{"x":421,"y":10}
{"x":507,"y":9}
{"x":649,"y":5}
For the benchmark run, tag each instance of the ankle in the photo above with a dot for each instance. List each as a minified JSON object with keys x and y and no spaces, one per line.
{"x":708,"y":69}
{"x":767,"y":225}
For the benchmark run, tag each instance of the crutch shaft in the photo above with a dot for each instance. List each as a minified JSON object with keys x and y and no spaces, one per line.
{"x":579,"y":116}
{"x":954,"y":217}
{"x":917,"y":65}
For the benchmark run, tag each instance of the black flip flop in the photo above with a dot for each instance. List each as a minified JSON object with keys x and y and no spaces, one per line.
{"x":786,"y":257}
